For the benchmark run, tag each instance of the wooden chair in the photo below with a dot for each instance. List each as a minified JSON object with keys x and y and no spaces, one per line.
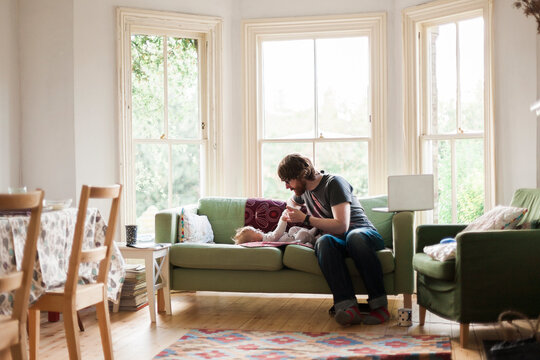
{"x":14,"y":328}
{"x":73,"y":296}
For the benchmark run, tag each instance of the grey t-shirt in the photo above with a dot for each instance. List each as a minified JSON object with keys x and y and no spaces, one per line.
{"x":331,"y":191}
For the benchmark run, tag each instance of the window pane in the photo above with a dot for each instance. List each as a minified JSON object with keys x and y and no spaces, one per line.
{"x":348,"y":159}
{"x":343,"y":86}
{"x":183,"y":88}
{"x":471,"y":61}
{"x":442,"y":78}
{"x":439,"y":162}
{"x":288,"y":89}
{"x":151,"y":183}
{"x":186,"y":173}
{"x":470,"y":179}
{"x":272,"y":153}
{"x":147,"y":86}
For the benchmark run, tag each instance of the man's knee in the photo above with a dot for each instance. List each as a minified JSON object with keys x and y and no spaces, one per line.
{"x":357,"y":240}
{"x":322,"y":243}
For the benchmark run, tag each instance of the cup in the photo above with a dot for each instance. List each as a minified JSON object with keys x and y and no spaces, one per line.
{"x":131,"y":234}
{"x":404,"y":317}
{"x":17,"y":190}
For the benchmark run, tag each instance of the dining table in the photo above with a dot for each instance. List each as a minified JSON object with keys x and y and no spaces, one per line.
{"x":54,"y":250}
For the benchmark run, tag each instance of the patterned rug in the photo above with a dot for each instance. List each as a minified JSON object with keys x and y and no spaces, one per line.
{"x":278,"y":345}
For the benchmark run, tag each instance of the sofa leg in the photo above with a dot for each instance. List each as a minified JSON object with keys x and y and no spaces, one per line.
{"x":407,"y":301}
{"x":463,"y":334}
{"x":421,"y":315}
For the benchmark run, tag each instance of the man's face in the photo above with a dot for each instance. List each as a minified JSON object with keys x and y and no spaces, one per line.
{"x":296,"y":185}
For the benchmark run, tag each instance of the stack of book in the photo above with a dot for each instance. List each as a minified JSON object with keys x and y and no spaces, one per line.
{"x":134,"y":295}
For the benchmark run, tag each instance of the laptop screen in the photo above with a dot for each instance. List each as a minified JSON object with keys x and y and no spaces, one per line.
{"x":410,"y":192}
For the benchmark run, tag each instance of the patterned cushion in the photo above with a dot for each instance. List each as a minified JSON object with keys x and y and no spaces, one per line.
{"x":264,"y":214}
{"x":498,"y":218}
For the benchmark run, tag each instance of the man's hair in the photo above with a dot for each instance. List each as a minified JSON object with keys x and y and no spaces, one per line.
{"x":295,"y":166}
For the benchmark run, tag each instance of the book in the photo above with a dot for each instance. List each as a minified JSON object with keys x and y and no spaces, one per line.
{"x":148,"y":245}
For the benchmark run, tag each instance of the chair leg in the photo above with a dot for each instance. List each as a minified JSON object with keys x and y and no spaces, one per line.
{"x":72,"y":335}
{"x":463,"y":334}
{"x":407,"y":301}
{"x":18,"y":351}
{"x":33,"y":333}
{"x":79,"y":321}
{"x":102,"y":312}
{"x":421,"y":315}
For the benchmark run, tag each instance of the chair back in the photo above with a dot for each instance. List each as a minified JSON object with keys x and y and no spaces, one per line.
{"x":21,"y":281}
{"x":101,"y":254}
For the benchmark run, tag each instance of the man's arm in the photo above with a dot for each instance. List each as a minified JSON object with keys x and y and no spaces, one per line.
{"x":338,"y":225}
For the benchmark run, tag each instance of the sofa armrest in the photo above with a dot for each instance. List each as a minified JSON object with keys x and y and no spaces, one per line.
{"x":402,"y":234}
{"x":166,"y":225}
{"x":433,"y":234}
{"x":492,"y":263}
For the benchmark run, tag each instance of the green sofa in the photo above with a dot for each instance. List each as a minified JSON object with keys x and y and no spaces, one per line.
{"x":493,"y":271}
{"x":224,"y":266}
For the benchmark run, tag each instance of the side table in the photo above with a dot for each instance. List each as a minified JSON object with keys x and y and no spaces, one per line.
{"x":156,"y":263}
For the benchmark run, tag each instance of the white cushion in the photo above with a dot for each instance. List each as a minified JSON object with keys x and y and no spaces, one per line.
{"x":194,"y":228}
{"x":441,"y":252}
{"x":498,"y":218}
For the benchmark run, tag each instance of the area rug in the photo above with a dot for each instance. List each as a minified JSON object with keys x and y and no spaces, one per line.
{"x":278,"y":345}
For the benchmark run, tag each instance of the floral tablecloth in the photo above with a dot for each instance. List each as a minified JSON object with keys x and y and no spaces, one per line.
{"x":54,"y":250}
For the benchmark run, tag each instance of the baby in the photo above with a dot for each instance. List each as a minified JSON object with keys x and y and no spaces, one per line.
{"x":295,"y":234}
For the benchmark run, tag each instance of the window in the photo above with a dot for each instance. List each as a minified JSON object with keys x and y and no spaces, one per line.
{"x":169,"y":122}
{"x":449,"y":121}
{"x":315,"y":86}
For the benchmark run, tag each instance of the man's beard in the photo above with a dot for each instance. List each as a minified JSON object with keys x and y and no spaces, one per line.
{"x":300,"y":189}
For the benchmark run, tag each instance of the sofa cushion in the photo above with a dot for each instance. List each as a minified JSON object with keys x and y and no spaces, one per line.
{"x":225,"y":257}
{"x":303,"y":258}
{"x":225,"y":214}
{"x":442,"y":270}
{"x":381,"y":220}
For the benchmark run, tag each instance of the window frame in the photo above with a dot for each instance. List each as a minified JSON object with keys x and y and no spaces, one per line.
{"x":255,"y":31}
{"x":415,"y":21}
{"x":170,"y":24}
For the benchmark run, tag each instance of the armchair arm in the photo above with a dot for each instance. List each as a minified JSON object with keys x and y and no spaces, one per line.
{"x":402,"y":233}
{"x":490,"y":261}
{"x":433,"y":234}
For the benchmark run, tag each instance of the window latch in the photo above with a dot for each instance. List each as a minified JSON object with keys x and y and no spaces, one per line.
{"x":162,"y":137}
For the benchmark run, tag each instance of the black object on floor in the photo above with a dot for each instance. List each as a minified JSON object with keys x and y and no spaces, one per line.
{"x":526,"y":349}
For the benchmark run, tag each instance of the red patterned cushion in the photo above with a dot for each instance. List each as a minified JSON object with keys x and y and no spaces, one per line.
{"x":264,"y":214}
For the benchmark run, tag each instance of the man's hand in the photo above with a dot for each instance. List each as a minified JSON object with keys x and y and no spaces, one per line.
{"x":295,"y":215}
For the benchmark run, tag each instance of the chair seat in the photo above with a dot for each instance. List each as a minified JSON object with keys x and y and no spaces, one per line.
{"x":10,"y":331}
{"x":442,"y":270}
{"x":87,"y":294}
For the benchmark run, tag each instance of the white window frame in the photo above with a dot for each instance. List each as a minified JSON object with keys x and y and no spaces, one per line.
{"x":255,"y":31}
{"x":415,"y":20}
{"x":210,"y":30}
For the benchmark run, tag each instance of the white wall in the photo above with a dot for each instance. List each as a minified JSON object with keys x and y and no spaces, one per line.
{"x":46,"y":71}
{"x":9,"y":96}
{"x":68,"y":82}
{"x":515,"y":72}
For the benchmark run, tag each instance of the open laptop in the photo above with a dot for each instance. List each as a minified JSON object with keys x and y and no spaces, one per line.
{"x":409,"y":193}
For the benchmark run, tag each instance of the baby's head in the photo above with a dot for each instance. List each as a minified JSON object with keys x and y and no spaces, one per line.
{"x":247,"y":234}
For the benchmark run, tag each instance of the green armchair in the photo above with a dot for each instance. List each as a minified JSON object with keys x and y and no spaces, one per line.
{"x":493,"y":271}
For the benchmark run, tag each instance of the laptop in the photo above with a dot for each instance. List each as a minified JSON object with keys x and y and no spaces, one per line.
{"x":409,"y":193}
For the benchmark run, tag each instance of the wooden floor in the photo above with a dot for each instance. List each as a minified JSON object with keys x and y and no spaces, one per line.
{"x":135,"y":337}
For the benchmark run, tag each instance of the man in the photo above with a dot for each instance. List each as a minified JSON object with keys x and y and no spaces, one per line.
{"x":334,"y":210}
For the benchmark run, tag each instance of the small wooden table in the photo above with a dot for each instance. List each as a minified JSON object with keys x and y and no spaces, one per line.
{"x":156,"y":262}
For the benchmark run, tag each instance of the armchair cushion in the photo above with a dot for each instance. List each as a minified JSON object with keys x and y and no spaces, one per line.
{"x":498,"y":218}
{"x":442,"y":270}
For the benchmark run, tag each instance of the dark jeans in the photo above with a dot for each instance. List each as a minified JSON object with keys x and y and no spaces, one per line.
{"x":360,"y":245}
